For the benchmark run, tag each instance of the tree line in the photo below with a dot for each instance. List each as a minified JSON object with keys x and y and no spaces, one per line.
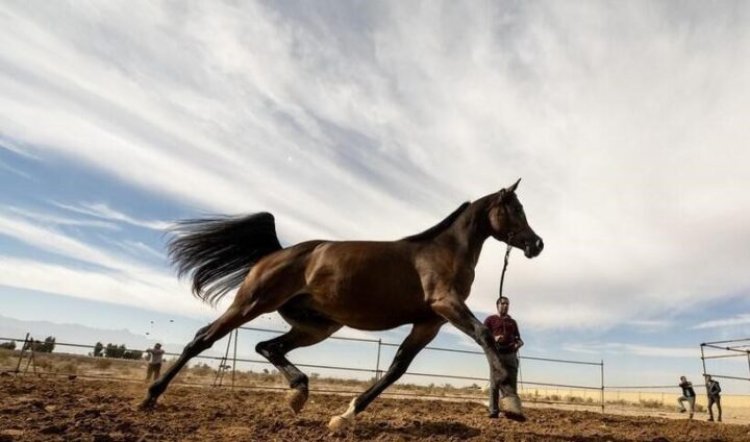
{"x":111,"y":351}
{"x":46,"y":346}
{"x":116,"y":352}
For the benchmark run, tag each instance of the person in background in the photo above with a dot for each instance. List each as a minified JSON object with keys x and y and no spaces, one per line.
{"x":688,"y":395}
{"x":504,"y":330}
{"x":154,"y":356}
{"x":713,"y":390}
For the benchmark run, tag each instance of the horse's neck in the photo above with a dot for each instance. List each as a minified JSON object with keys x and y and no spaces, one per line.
{"x":468,"y":233}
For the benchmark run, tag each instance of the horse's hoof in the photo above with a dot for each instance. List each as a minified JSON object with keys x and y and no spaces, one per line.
{"x":297,"y":399}
{"x":514,"y":416}
{"x":511,"y":406}
{"x":148,"y":404}
{"x":339,"y":424}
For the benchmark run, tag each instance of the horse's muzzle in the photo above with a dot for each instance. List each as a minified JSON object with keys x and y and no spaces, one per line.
{"x":533,"y":248}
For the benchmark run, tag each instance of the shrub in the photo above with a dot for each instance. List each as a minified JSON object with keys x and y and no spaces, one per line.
{"x":132,"y":354}
{"x":8,"y":345}
{"x":45,"y":346}
{"x":48,"y":345}
{"x":114,"y":351}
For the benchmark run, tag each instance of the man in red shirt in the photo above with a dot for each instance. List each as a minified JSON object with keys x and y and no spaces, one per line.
{"x":508,"y":340}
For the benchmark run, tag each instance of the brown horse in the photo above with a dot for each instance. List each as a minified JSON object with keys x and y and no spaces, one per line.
{"x":320,"y":286}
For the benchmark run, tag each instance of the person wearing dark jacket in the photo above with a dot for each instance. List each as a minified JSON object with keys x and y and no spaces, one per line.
{"x":688,"y":395}
{"x":504,"y":330}
{"x":713,"y":390}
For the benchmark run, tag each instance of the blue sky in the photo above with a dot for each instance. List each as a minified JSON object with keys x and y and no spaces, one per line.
{"x":374,"y":120}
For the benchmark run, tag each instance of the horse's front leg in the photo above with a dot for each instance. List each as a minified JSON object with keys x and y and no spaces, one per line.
{"x":421,"y":334}
{"x":457,"y":313}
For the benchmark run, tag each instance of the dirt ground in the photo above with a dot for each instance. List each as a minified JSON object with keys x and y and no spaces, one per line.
{"x":60,"y":409}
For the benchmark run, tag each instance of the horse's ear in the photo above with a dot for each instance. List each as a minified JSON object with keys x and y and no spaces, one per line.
{"x":504,"y":192}
{"x":514,"y":186}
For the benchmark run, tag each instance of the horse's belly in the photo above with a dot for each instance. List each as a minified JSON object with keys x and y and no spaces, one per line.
{"x":369,"y":286}
{"x":368,"y":310}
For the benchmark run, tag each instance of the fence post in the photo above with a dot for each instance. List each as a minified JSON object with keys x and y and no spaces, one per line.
{"x":377,"y":361}
{"x":234,"y":356}
{"x":20,"y":354}
{"x":602,"y":400}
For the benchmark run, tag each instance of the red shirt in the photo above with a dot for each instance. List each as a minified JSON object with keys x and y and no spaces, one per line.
{"x":505,"y":331}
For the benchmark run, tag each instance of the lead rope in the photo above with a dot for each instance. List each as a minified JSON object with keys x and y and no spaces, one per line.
{"x":500,"y":295}
{"x":505,"y":267}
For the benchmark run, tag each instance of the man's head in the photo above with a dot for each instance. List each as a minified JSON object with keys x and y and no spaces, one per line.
{"x":683,"y":378}
{"x":157,"y":345}
{"x":502,"y":305}
{"x":708,"y":377}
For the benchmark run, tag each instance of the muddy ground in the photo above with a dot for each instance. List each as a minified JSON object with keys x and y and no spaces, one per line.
{"x":59,"y":409}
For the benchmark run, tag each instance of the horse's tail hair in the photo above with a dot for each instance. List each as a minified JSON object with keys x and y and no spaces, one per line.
{"x":217,"y":253}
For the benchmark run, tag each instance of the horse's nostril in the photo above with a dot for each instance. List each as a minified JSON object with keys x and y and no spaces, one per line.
{"x":539,"y":244}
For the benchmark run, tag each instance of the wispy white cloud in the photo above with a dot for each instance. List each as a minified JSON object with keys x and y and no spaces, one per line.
{"x":651,"y":325}
{"x":124,"y":278}
{"x":102,"y":210}
{"x":53,"y":241}
{"x":14,"y":170}
{"x":633,"y":349}
{"x":741,"y":319}
{"x":49,"y":218}
{"x":16,"y":148}
{"x":147,"y":290}
{"x":137,"y":248}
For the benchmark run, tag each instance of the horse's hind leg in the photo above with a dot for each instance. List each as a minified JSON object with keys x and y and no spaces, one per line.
{"x":308,"y":328}
{"x":204,"y":339}
{"x":420,"y":335}
{"x":244,"y":309}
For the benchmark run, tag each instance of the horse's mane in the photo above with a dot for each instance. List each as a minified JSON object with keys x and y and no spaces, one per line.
{"x":435,"y":230}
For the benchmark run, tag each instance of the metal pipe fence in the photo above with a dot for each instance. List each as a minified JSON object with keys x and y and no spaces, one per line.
{"x":376,"y":371}
{"x":230,"y":356}
{"x":738,"y":349}
{"x":381,"y":344}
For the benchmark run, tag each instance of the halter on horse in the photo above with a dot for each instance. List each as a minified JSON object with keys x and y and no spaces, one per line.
{"x":319,"y":286}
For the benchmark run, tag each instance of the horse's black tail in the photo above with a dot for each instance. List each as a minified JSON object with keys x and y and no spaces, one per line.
{"x":219,"y":252}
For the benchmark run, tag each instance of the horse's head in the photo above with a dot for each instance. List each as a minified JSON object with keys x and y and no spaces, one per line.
{"x":508,"y":222}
